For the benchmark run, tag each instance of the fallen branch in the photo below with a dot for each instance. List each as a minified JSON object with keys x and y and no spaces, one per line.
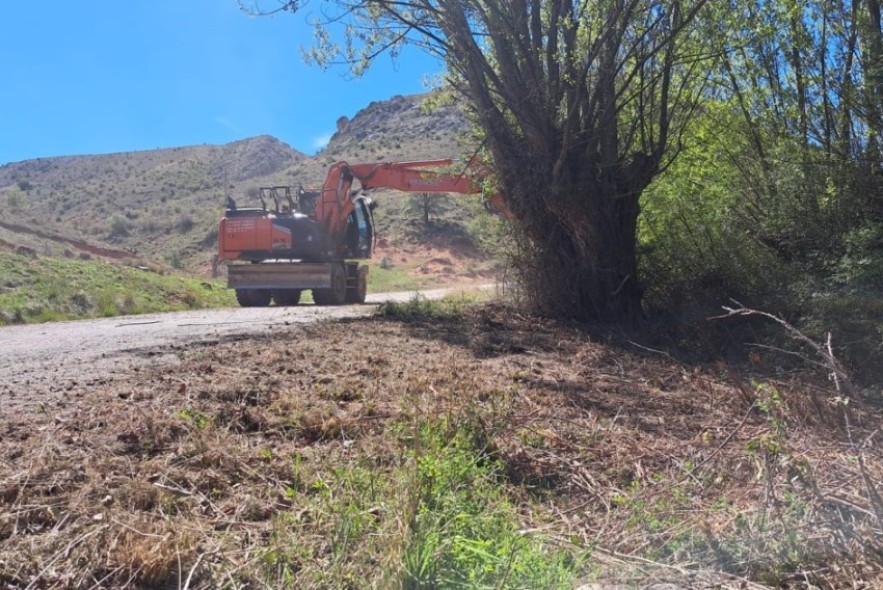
{"x":842,"y":385}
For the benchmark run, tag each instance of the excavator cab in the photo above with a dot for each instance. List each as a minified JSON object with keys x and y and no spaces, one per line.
{"x":306,"y":201}
{"x":278,"y":194}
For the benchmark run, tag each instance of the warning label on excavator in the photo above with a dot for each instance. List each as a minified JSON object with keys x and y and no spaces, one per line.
{"x":238,"y":226}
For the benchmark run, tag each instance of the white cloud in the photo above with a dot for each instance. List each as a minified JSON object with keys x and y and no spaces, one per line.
{"x":321,"y":141}
{"x":225,"y":122}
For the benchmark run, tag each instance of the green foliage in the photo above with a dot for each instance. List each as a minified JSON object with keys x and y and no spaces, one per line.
{"x":862,"y":260}
{"x":695,"y":239}
{"x":195,"y":418}
{"x":119,"y":226}
{"x":50,"y":289}
{"x":726,"y":222}
{"x":425,"y":206}
{"x":463,"y":531}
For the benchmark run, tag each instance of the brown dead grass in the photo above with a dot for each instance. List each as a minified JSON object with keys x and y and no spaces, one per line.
{"x":190,"y":475}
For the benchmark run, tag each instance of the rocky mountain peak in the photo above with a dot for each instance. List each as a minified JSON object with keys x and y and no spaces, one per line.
{"x":256,"y":156}
{"x":400,"y":120}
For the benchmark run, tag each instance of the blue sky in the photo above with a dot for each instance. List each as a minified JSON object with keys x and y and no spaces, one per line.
{"x":104,"y":76}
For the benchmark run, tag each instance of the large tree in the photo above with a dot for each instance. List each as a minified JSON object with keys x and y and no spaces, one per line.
{"x":578,"y":101}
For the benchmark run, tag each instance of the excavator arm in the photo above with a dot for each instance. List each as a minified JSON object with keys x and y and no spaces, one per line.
{"x":423,"y":176}
{"x":320,"y":232}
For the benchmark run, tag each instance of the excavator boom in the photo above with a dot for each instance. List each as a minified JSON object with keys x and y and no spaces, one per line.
{"x":423,"y":176}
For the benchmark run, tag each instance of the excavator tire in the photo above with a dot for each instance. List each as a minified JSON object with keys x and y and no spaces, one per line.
{"x":336,"y":295}
{"x":359,"y":293}
{"x":286,"y":297}
{"x":253,"y":297}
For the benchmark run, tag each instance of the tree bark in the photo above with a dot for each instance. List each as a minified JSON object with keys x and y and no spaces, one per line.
{"x":579,"y":231}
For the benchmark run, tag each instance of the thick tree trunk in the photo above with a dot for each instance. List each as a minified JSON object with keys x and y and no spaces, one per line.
{"x":581,"y":258}
{"x":591,"y":279}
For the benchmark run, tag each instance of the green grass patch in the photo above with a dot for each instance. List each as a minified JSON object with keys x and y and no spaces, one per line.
{"x":384,"y":280}
{"x":436,"y":513}
{"x":463,"y":531}
{"x":44,"y":289}
{"x":420,"y":308}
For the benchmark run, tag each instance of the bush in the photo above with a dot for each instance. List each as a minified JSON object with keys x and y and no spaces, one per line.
{"x":15,"y":199}
{"x":184,"y":224}
{"x":119,"y":226}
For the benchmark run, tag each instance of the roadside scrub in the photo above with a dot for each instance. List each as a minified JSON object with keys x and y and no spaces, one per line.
{"x":427,"y":448}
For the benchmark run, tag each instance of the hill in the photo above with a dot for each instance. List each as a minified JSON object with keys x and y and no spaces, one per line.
{"x":159,"y":205}
{"x":163,"y":205}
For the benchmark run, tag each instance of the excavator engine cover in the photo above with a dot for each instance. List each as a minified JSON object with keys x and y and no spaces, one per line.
{"x":252,"y":234}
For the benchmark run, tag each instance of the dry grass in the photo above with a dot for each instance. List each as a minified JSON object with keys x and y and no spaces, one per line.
{"x":283,"y":462}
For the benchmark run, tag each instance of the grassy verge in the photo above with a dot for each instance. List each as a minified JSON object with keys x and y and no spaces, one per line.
{"x":54,"y":288}
{"x":399,"y":278}
{"x":45,"y":288}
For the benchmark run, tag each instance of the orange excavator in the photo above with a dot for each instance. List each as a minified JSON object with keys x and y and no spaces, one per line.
{"x":313,"y":239}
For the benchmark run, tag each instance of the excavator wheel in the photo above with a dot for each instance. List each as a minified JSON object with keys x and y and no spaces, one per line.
{"x":336,"y":295}
{"x":359,"y":292}
{"x":286,"y":297}
{"x":253,"y":297}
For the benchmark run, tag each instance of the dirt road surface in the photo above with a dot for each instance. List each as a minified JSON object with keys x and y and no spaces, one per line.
{"x":38,"y":363}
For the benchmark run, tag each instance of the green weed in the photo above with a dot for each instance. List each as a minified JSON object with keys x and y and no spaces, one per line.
{"x":463,"y":532}
{"x":434,"y":513}
{"x":419,"y":307}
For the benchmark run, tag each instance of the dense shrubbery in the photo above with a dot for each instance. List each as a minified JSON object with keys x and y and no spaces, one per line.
{"x":798,"y":234}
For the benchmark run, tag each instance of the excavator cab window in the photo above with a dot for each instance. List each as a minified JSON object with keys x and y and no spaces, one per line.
{"x":306,"y":201}
{"x":360,"y":228}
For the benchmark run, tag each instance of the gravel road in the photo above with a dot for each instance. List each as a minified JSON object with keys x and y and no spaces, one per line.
{"x":39,"y":362}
